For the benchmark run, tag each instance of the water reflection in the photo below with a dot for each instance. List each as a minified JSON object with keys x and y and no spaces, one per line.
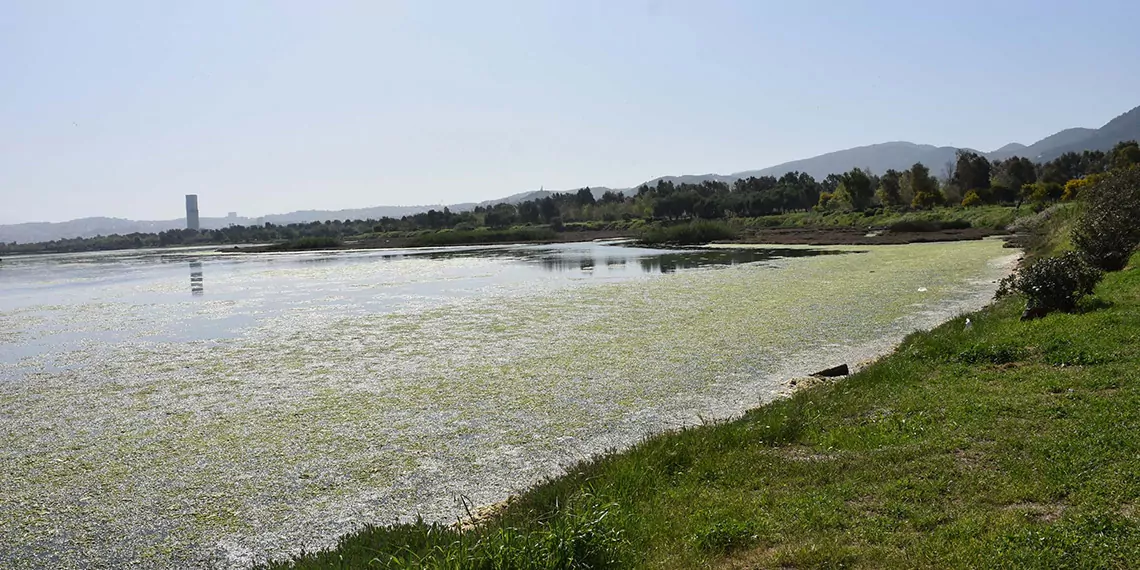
{"x":584,"y":258}
{"x":197,"y":284}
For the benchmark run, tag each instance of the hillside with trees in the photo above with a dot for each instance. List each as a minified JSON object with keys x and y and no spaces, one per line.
{"x":969,"y":180}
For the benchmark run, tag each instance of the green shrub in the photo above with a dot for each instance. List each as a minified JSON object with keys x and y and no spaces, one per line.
{"x":696,"y":232}
{"x":1108,"y":230}
{"x":482,"y":235}
{"x":1053,"y":283}
{"x":972,"y":199}
{"x":927,"y":199}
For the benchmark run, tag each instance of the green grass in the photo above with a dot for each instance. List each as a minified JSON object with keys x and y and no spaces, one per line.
{"x":1048,"y":232}
{"x":483,"y":235}
{"x":988,"y":217}
{"x":1008,"y":444}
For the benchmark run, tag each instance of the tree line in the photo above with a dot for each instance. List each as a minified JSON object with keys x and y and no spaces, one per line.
{"x":969,"y":180}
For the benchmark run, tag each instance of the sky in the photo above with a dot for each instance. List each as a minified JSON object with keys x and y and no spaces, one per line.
{"x":120,"y":108}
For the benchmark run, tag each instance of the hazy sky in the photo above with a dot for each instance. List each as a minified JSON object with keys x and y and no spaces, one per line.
{"x":118,"y":109}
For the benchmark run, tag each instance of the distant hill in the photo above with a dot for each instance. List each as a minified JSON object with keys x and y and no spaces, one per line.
{"x":1123,"y":128}
{"x":1011,"y":149}
{"x":1056,"y":140}
{"x":597,"y":191}
{"x":901,"y":155}
{"x":877,"y":157}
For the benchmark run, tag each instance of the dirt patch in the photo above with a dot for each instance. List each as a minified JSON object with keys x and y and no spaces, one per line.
{"x":867,"y":505}
{"x":855,"y":236}
{"x":809,"y":382}
{"x":484,"y":514}
{"x":1040,"y":512}
{"x":969,"y":458}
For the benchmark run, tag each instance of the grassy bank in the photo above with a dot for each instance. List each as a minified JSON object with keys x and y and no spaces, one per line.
{"x":1047,"y":232}
{"x":692,"y":233}
{"x":989,"y":217}
{"x":1007,"y":444}
{"x":483,"y":235}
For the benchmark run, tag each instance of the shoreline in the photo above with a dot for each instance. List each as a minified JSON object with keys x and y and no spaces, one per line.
{"x":348,"y":516}
{"x":768,"y":236}
{"x":793,"y":376}
{"x":726,"y":404}
{"x":968,"y":445}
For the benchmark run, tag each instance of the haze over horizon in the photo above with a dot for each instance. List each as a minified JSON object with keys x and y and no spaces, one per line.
{"x":118,"y":109}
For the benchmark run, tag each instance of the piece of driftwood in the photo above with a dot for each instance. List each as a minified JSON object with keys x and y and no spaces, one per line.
{"x":834,"y":371}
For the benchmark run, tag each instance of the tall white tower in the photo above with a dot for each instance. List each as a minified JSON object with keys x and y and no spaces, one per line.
{"x":192,"y":212}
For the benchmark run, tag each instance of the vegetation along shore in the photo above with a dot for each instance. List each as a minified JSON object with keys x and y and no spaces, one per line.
{"x":1003,"y":438}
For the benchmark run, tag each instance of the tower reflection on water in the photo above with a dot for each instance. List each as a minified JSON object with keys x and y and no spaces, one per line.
{"x":197,"y":286}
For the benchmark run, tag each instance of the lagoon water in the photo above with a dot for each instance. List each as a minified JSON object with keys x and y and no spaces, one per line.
{"x":189,"y":408}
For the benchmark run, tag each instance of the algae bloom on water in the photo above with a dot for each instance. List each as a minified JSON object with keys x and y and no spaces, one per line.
{"x":294,"y":397}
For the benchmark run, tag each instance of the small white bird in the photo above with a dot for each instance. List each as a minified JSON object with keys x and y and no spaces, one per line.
{"x":969,"y":323}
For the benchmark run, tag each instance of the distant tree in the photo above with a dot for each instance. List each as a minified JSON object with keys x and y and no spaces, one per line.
{"x":1041,"y":192}
{"x":889,"y":191}
{"x":1009,"y":175}
{"x":971,"y":171}
{"x":676,"y":204}
{"x":584,"y":197}
{"x":611,"y":197}
{"x":827,"y":201}
{"x":548,"y":209}
{"x":529,"y":212}
{"x":922,"y":186}
{"x":831,"y":183}
{"x":1125,"y":154}
{"x":500,"y":216}
{"x":855,"y":188}
{"x":1075,"y":187}
{"x":1073,"y":165}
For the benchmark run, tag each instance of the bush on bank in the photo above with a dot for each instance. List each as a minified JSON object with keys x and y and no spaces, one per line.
{"x":1108,"y":231}
{"x":1052,"y":283}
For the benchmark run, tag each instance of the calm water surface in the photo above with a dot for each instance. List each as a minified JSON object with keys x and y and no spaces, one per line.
{"x":176,"y":284}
